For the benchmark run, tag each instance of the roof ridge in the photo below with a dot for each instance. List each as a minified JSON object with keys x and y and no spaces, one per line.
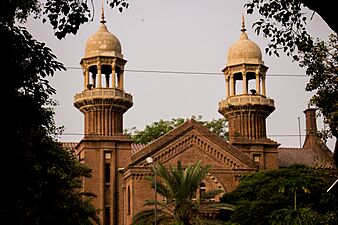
{"x":290,"y":148}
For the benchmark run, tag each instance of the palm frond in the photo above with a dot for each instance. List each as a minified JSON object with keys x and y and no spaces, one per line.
{"x":178,"y":185}
{"x":149,"y":202}
{"x":147,"y":216}
{"x":211,"y":194}
{"x":144,"y":217}
{"x":224,"y":206}
{"x":211,"y":222}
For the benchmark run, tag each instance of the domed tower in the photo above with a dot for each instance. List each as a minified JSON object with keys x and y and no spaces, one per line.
{"x":103,"y":102}
{"x":246,"y":105}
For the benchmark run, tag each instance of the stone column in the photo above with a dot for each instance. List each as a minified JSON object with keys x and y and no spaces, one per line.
{"x":258,"y":85}
{"x":263,"y":85}
{"x":227,"y":88}
{"x":86,"y":77}
{"x":120,"y":80}
{"x":99,"y":77}
{"x":232,"y":85}
{"x":113,"y":75}
{"x":245,"y":83}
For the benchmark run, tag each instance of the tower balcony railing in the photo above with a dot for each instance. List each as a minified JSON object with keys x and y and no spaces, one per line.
{"x":103,"y":93}
{"x":238,"y":100}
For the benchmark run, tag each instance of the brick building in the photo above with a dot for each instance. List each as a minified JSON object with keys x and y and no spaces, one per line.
{"x":119,"y":166}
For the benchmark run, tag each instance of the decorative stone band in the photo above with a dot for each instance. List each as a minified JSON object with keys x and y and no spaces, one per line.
{"x":103,"y":98}
{"x":246,"y":99}
{"x":246,"y":115}
{"x":103,"y":93}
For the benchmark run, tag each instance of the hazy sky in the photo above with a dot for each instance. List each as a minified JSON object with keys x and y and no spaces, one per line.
{"x":178,"y":35}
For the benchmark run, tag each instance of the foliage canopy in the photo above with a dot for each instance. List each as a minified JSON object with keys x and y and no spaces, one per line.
{"x":284,"y":196}
{"x":42,"y":180}
{"x":157,"y":129}
{"x":284,"y":24}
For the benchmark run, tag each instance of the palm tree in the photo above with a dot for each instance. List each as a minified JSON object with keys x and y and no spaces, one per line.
{"x":178,"y":186}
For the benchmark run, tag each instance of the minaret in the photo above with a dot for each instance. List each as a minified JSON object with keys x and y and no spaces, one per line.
{"x":103,"y":102}
{"x":246,"y":105}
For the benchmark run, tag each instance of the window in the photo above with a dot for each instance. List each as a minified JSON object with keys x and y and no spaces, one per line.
{"x":256,"y":158}
{"x":129,"y":198}
{"x":202,"y":190}
{"x":107,"y":155}
{"x":107,"y":216}
{"x":107,"y":172}
{"x":107,"y":195}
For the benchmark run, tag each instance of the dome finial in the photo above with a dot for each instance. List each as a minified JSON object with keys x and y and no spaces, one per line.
{"x":102,"y":14}
{"x":243,"y":23}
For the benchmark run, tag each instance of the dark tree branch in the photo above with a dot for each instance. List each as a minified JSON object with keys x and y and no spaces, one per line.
{"x":325,"y":9}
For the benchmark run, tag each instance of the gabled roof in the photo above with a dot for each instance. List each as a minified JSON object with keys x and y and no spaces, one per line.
{"x":314,"y":152}
{"x":314,"y":155}
{"x":192,"y":133}
{"x":137,"y":147}
{"x":70,"y":145}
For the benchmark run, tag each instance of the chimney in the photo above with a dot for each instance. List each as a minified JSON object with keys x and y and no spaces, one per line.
{"x":311,"y":123}
{"x":311,"y":128}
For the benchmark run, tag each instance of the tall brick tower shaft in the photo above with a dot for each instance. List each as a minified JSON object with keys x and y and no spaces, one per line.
{"x":103,"y":102}
{"x":246,"y":105}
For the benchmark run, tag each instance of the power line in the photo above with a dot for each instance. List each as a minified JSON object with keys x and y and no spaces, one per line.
{"x":174,"y":72}
{"x":272,"y":135}
{"x":190,"y":72}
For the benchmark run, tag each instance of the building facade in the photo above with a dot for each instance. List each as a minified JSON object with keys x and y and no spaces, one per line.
{"x":119,"y":166}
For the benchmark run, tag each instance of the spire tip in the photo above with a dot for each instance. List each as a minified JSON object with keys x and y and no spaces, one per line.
{"x":102,"y":14}
{"x":243,"y":24}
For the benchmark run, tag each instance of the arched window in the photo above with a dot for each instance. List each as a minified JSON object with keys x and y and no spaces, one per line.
{"x":106,"y":70}
{"x":202,"y":190}
{"x":92,"y":77}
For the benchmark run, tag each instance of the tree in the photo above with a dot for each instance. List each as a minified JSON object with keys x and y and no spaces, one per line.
{"x":153,"y":131}
{"x":299,"y":216}
{"x":178,"y":187}
{"x":284,"y":24}
{"x":321,"y":63}
{"x":41,"y":181}
{"x":157,"y":129}
{"x":324,"y":10}
{"x":284,"y":196}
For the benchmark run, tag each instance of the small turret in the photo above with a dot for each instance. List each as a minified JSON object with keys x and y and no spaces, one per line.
{"x":103,"y":100}
{"x":245,"y":110}
{"x":246,"y":105}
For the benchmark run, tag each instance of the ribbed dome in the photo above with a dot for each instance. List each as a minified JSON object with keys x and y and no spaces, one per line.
{"x":103,"y":43}
{"x":244,"y":51}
